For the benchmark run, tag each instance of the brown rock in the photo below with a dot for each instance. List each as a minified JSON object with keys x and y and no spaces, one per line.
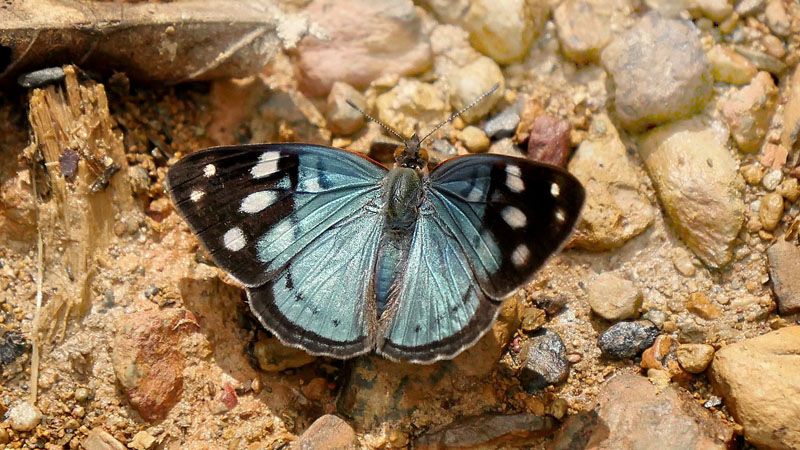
{"x":784,"y":271}
{"x":695,"y":358}
{"x":99,"y":439}
{"x":387,"y":40}
{"x":488,"y":431}
{"x":748,"y":111}
{"x":147,"y":361}
{"x":771,"y":210}
{"x":613,"y":297}
{"x":548,"y":140}
{"x":329,"y":432}
{"x":760,"y":383}
{"x":791,"y":113}
{"x":631,"y":413}
{"x":700,"y":304}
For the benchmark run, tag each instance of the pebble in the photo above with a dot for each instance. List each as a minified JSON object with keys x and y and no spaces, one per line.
{"x":789,"y":189}
{"x":660,"y":71}
{"x":616,"y":208}
{"x":614,"y":298}
{"x":474,"y":139}
{"x":533,"y":319}
{"x":701,"y":305}
{"x":749,"y":7}
{"x":548,"y":140}
{"x":760,"y":384}
{"x":716,"y":10}
{"x":627,"y":339}
{"x":388,"y":39}
{"x":507,"y":147}
{"x":777,"y":19}
{"x":469,"y":82}
{"x":329,"y":432}
{"x":343,"y":118}
{"x":544,"y":361}
{"x":411,"y":106}
{"x":748,"y":111}
{"x":772,"y":179}
{"x":503,"y":125}
{"x":632,"y":413}
{"x":771,"y":210}
{"x":791,"y":111}
{"x":500,"y":29}
{"x":486,"y":431}
{"x":24,"y":416}
{"x":784,"y":271}
{"x":682,"y":260}
{"x":695,"y":358}
{"x":99,"y":439}
{"x":142,"y":441}
{"x":727,"y":66}
{"x":81,"y":394}
{"x":4,"y":438}
{"x":273,"y":356}
{"x":706,"y":202}
{"x":762,"y":60}
{"x":752,"y":173}
{"x":774,"y":46}
{"x":582,"y":31}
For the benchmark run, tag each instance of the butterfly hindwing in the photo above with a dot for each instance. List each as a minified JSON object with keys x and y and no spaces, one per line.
{"x":509,"y":215}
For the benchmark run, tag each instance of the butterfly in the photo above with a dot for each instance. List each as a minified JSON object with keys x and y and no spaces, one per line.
{"x":341,"y":255}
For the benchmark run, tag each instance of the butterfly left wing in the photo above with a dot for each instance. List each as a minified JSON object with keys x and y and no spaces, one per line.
{"x":487,"y":223}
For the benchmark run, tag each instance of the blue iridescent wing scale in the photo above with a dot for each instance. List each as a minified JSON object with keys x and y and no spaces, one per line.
{"x":487,"y":223}
{"x":268,"y":212}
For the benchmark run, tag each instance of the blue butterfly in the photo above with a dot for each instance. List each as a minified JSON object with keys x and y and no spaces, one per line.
{"x":342,"y":256}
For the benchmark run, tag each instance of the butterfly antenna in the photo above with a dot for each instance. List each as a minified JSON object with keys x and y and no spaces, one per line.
{"x":387,"y":127}
{"x":463,"y":110}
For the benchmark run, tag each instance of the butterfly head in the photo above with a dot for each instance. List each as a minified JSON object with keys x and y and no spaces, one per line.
{"x":411,"y":155}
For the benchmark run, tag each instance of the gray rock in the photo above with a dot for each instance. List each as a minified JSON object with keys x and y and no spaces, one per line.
{"x":627,"y":339}
{"x":582,"y":30}
{"x":544,"y":361}
{"x":343,"y":118}
{"x":503,"y":125}
{"x":469,"y":82}
{"x":488,"y":431}
{"x":784,"y":271}
{"x":660,"y":70}
{"x":699,"y":185}
{"x":12,"y":346}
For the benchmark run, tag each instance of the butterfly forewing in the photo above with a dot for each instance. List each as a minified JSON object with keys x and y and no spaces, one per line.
{"x":509,"y":215}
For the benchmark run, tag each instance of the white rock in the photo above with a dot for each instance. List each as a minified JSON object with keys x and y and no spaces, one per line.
{"x":24,"y":416}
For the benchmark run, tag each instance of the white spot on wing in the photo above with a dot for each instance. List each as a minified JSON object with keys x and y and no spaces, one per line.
{"x":258,"y":201}
{"x":196,"y":195}
{"x":267,"y":165}
{"x":520,"y":255}
{"x":555,"y":190}
{"x":209,"y":170}
{"x":514,"y":217}
{"x":560,"y":217}
{"x":513,"y":180}
{"x":233,"y":239}
{"x":310,"y":184}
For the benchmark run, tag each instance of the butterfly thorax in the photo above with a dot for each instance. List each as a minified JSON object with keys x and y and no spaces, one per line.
{"x":402,"y":197}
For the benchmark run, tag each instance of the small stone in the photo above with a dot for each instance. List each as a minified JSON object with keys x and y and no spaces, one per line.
{"x":683,"y":263}
{"x":760,"y":383}
{"x":762,"y":60}
{"x":777,"y":19}
{"x":784,"y":271}
{"x":142,"y":441}
{"x":773,"y":156}
{"x":627,"y":339}
{"x":616,"y":208}
{"x":24,"y":416}
{"x":753,"y":174}
{"x":582,"y":31}
{"x":412,"y":105}
{"x":700,"y":304}
{"x":469,"y":82}
{"x":695,"y":358}
{"x":159,"y":208}
{"x":4,"y":438}
{"x":343,"y":118}
{"x":487,"y":431}
{"x":749,"y":7}
{"x":329,"y":432}
{"x":748,"y":112}
{"x":716,"y":10}
{"x":548,"y":140}
{"x":81,"y":394}
{"x":507,"y":147}
{"x":705,"y":202}
{"x":544,"y":361}
{"x":772,"y":179}
{"x":69,"y":163}
{"x":316,"y":389}
{"x":272,"y":356}
{"x":774,"y":46}
{"x":789,"y":189}
{"x":502,"y":125}
{"x":660,"y":72}
{"x":474,"y":139}
{"x":614,"y":298}
{"x":99,"y":439}
{"x":791,"y":112}
{"x":533,"y":319}
{"x":387,"y":40}
{"x":771,"y":211}
{"x":727,"y":66}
